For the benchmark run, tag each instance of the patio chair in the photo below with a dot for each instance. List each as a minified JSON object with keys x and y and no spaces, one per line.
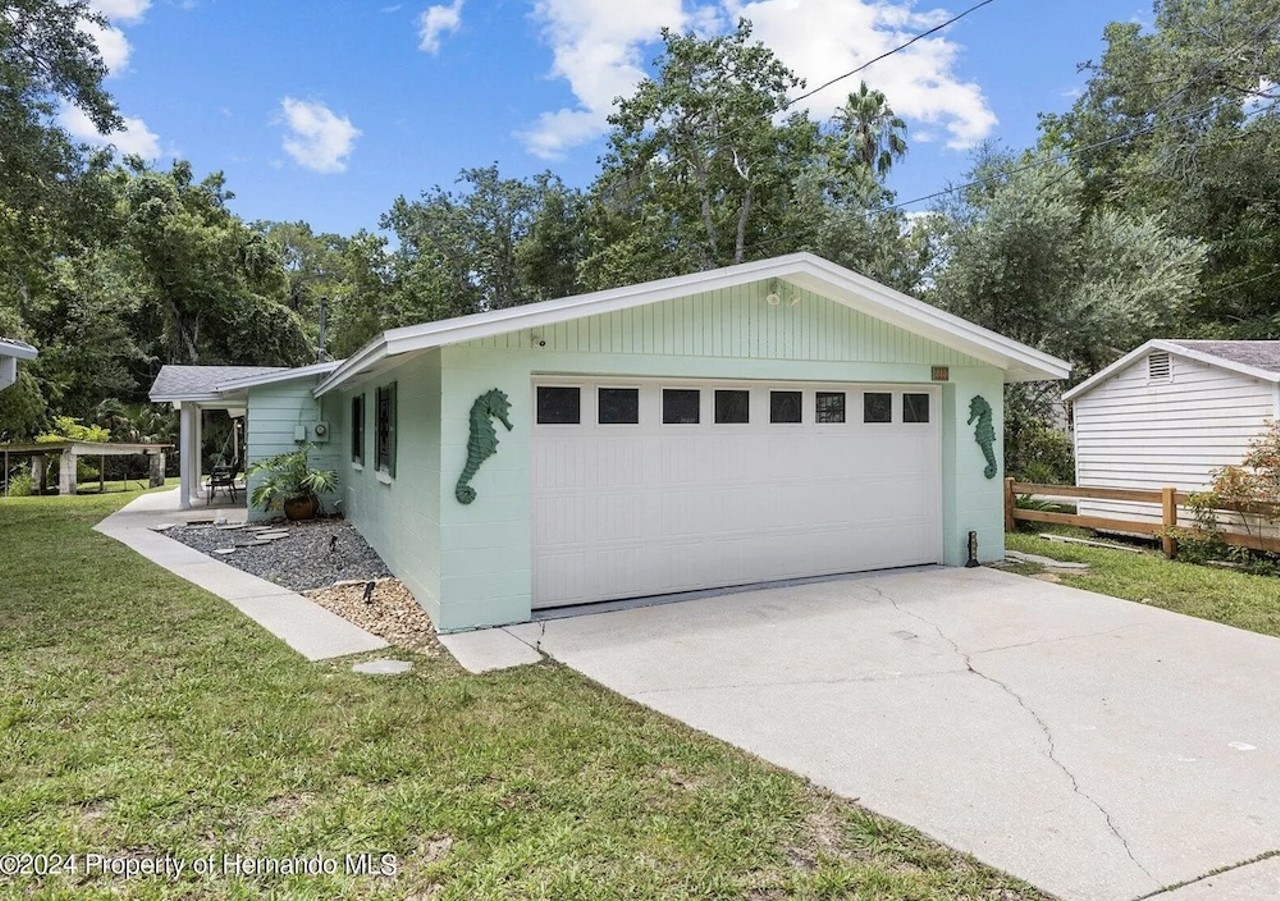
{"x":223,"y":477}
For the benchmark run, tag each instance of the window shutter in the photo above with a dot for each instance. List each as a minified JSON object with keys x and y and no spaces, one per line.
{"x":391,"y":429}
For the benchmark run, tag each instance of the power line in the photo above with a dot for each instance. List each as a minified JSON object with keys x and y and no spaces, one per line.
{"x":888,"y":53}
{"x":1063,"y":154}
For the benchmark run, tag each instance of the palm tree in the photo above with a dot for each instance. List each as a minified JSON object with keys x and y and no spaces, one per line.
{"x":869,"y":132}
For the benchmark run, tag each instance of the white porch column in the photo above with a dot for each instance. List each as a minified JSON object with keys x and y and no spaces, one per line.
{"x":198,"y":457}
{"x":186,"y":467}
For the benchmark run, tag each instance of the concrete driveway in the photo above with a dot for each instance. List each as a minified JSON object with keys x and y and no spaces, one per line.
{"x":1097,"y":748}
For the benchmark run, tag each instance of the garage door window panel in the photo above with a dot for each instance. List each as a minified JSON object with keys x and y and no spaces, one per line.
{"x":915,"y":408}
{"x":828,"y":406}
{"x":877,"y":406}
{"x":681,"y":406}
{"x":786,"y":407}
{"x":559,"y":405}
{"x":733,"y":406}
{"x":618,"y":406}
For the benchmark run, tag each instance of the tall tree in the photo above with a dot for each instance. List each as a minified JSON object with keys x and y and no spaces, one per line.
{"x":868,"y":133}
{"x":697,"y":158}
{"x":215,"y":286}
{"x":1182,"y":120}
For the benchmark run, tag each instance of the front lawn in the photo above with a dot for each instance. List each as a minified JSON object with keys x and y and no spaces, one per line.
{"x":1223,"y":595}
{"x":141,"y":716}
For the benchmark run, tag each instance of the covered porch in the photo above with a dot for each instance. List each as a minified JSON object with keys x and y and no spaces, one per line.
{"x":199,"y":393}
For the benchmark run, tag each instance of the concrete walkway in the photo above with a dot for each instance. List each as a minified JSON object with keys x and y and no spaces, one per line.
{"x":1100,"y":749}
{"x":299,"y":622}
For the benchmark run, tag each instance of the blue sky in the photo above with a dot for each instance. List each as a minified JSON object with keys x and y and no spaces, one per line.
{"x":326,"y":111}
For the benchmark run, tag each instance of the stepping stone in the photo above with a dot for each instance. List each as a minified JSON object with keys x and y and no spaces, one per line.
{"x":276,"y":534}
{"x":1049,"y":562}
{"x":223,"y":551}
{"x":383,"y":667}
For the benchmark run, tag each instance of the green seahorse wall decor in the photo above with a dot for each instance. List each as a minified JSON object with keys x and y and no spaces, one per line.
{"x":984,"y":433}
{"x":483,"y":442}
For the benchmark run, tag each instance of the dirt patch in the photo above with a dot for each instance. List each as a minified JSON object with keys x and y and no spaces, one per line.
{"x":391,"y":612}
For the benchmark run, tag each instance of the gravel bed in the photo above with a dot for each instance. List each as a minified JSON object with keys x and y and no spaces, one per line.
{"x":312,"y":554}
{"x":392,"y":613}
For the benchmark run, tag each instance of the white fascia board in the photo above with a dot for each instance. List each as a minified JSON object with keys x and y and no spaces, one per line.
{"x":802,"y":269}
{"x":18,"y":351}
{"x":271,"y":378}
{"x":177,"y":399}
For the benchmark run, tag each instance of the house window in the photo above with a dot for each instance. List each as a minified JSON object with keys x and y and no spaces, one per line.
{"x":1159,"y":367}
{"x":618,"y":406}
{"x":357,"y":429}
{"x":828,"y":406}
{"x":680,"y":406}
{"x":785,"y":406}
{"x":559,"y":406}
{"x":733,"y":406}
{"x":915,"y":408}
{"x":877,"y":407}
{"x":385,"y":435}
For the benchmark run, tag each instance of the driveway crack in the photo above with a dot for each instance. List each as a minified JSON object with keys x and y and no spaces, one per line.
{"x":1044,"y":727}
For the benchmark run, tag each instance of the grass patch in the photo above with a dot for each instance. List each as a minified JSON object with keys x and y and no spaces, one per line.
{"x":140,"y":715}
{"x":1238,"y":599}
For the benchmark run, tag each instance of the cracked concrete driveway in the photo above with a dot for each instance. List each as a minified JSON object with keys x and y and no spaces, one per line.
{"x":1097,"y":748}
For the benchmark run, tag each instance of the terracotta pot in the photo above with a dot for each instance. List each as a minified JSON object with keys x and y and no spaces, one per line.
{"x":304,"y":508}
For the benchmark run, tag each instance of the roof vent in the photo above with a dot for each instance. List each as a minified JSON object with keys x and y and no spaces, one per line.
{"x":1159,"y":367}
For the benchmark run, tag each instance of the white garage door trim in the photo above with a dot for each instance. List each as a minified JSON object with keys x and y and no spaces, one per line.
{"x":627,"y":510}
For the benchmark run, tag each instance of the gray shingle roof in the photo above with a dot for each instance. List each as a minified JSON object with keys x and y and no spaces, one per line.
{"x":194,"y":382}
{"x":1258,"y":354}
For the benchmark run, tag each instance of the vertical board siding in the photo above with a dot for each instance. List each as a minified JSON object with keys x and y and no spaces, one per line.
{"x":1134,"y":433}
{"x":739,"y":323}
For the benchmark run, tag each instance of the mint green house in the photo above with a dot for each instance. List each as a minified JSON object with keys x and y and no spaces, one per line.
{"x":774,"y":420}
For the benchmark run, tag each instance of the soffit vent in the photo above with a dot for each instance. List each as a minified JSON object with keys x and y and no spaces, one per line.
{"x":1159,"y":366}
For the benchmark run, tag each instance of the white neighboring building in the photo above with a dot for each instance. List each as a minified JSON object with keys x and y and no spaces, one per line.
{"x":1170,"y":413}
{"x":11,"y":352}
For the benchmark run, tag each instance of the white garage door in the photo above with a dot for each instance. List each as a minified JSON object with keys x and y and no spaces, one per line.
{"x":651,"y":487}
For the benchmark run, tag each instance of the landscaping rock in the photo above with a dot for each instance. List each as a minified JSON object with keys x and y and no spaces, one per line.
{"x":299,"y":559}
{"x":392,"y":613}
{"x":383,"y":667}
{"x":223,"y":551}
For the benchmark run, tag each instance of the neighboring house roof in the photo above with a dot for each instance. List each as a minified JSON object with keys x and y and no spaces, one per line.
{"x":1256,"y":359}
{"x":175,"y":384}
{"x":1257,"y":354}
{"x":19,"y":350}
{"x":803,"y":270}
{"x":179,"y":383}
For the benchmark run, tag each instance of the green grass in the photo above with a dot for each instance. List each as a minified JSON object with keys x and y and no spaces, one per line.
{"x":140,"y":715}
{"x":1222,"y":595}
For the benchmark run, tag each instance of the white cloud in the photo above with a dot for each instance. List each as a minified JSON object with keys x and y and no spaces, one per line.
{"x":919,"y":82}
{"x":435,"y":21}
{"x":598,"y":47}
{"x":112,"y":44}
{"x":135,"y":137}
{"x":121,"y":10}
{"x":318,"y":139}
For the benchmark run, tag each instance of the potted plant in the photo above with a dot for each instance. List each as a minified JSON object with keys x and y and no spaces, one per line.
{"x":287,"y":482}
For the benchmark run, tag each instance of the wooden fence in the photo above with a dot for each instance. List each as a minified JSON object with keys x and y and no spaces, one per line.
{"x":1168,"y":499}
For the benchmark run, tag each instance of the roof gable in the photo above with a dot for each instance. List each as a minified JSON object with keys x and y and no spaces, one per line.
{"x":802,"y":270}
{"x":1242,"y":357}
